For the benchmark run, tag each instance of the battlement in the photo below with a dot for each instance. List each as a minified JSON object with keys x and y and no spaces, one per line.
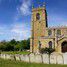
{"x":57,"y":27}
{"x":38,"y":9}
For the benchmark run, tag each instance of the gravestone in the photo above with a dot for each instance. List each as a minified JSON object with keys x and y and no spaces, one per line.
{"x":2,"y":56}
{"x":45,"y":58}
{"x":26,"y":58}
{"x":38,"y":58}
{"x":17,"y":57}
{"x":65,"y":58}
{"x":22,"y":57}
{"x":7,"y":56}
{"x":53,"y":58}
{"x":60,"y":59}
{"x":32,"y":57}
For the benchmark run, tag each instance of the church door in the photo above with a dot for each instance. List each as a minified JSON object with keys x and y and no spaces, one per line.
{"x":64,"y":47}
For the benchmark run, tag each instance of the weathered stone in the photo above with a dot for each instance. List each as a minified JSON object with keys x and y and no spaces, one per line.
{"x":32,"y":57}
{"x":59,"y":59}
{"x":12,"y":57}
{"x":7,"y":56}
{"x":45,"y":58}
{"x":53,"y":58}
{"x":26,"y":58}
{"x":22,"y":57}
{"x":2,"y":56}
{"x":17,"y":57}
{"x":65,"y":58}
{"x":38,"y":58}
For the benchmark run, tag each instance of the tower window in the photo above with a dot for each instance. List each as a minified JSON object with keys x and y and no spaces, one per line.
{"x":50,"y":44}
{"x":37,"y":16}
{"x":49,"y":32}
{"x":58,"y":32}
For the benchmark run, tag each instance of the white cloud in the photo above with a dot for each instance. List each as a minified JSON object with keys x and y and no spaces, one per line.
{"x":2,"y":28}
{"x":20,"y":31}
{"x":24,"y":9}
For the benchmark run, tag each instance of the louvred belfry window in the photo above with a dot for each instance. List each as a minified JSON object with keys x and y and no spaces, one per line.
{"x":37,"y":16}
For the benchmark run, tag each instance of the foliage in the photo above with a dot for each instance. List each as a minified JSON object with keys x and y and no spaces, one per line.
{"x":42,"y":50}
{"x":15,"y":52}
{"x":14,"y":45}
{"x":47,"y":50}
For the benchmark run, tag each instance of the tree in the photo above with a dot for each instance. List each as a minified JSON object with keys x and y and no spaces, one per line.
{"x":14,"y":45}
{"x":3,"y":45}
{"x":48,"y":51}
{"x":28,"y":43}
{"x":9,"y":47}
{"x":25,"y":44}
{"x":13,"y":42}
{"x":17,"y":46}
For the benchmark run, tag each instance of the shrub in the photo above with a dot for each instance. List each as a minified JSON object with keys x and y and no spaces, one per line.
{"x":47,"y":50}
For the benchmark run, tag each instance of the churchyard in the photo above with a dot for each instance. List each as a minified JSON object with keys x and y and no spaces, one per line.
{"x":11,"y":63}
{"x":54,"y":58}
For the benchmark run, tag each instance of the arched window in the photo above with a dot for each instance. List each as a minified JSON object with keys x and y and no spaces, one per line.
{"x":49,"y":32}
{"x":37,"y":16}
{"x":50,"y":44}
{"x":58,"y":32}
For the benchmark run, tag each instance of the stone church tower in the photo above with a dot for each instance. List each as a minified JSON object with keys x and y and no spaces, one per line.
{"x":43,"y":36}
{"x":39,"y":25}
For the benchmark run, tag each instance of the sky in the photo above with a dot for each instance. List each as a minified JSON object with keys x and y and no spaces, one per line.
{"x":15,"y":17}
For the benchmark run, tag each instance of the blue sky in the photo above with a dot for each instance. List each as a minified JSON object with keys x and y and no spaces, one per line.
{"x":15,"y":17}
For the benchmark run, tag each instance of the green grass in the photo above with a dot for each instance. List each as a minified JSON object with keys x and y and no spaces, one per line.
{"x":9,"y":63}
{"x":16,"y":52}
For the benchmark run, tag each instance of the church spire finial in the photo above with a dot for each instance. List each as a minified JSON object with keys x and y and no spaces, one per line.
{"x":41,"y":3}
{"x":44,"y":4}
{"x":38,"y":3}
{"x":32,"y":6}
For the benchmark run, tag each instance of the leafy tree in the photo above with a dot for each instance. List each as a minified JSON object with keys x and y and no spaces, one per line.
{"x":25,"y":44}
{"x":28,"y":43}
{"x":13,"y":42}
{"x":17,"y":47}
{"x":9,"y":47}
{"x":3,"y":45}
{"x":14,"y":45}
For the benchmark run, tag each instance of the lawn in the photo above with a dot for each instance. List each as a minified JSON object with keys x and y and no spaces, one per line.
{"x":16,"y":52}
{"x":9,"y":63}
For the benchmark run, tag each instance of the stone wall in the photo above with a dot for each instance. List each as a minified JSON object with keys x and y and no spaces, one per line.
{"x":54,"y":58}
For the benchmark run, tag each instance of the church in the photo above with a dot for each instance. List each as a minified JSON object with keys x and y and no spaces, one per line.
{"x":43,"y":36}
